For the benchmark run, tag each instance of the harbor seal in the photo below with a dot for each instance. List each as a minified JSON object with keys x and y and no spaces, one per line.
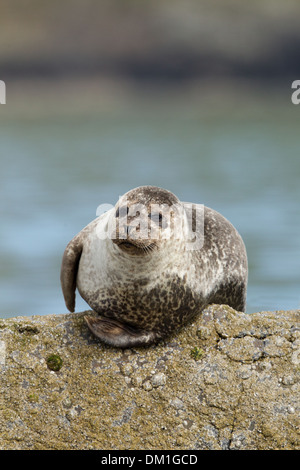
{"x":139,"y":268}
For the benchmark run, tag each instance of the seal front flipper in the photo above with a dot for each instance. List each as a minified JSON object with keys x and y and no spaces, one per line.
{"x":69,"y":268}
{"x":70,"y":263}
{"x":119,"y":334}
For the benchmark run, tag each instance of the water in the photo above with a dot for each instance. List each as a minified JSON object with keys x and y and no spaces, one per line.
{"x":56,"y":169}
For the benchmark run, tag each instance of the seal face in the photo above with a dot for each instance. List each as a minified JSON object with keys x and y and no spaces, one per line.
{"x":150,"y":264}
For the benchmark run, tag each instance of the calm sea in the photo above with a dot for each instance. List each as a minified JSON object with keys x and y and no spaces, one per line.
{"x":56,"y":168}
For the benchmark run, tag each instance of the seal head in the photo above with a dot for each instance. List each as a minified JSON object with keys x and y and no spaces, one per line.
{"x":143,"y":218}
{"x":137,"y":268}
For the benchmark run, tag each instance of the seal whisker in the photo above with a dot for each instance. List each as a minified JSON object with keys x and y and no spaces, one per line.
{"x":147,"y":248}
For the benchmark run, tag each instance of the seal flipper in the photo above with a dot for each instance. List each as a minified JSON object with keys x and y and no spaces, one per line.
{"x":118,"y":334}
{"x":69,"y":268}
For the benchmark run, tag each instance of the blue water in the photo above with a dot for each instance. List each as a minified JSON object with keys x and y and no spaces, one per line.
{"x":55,"y":171}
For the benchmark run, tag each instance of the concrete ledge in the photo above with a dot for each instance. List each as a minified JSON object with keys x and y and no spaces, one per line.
{"x":226,"y":381}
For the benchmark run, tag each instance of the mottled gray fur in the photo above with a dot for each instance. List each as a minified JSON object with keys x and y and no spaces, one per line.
{"x":145,"y":290}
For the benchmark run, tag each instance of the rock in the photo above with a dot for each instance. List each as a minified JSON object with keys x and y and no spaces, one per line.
{"x":63,"y":389}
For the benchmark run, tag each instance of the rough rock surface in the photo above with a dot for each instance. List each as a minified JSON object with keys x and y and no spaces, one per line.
{"x":226,"y":381}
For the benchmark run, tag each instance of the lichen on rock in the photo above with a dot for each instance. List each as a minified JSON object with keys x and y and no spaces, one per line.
{"x":242,"y":392}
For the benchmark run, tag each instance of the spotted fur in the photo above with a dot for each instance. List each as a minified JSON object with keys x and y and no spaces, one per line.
{"x":142,"y":296}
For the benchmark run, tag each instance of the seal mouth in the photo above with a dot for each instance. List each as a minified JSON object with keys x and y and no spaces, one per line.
{"x":135,"y":248}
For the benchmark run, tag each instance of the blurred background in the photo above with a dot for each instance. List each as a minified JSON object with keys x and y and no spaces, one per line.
{"x":106,"y":95}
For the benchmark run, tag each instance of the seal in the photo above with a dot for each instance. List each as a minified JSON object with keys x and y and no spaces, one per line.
{"x":150,"y":264}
